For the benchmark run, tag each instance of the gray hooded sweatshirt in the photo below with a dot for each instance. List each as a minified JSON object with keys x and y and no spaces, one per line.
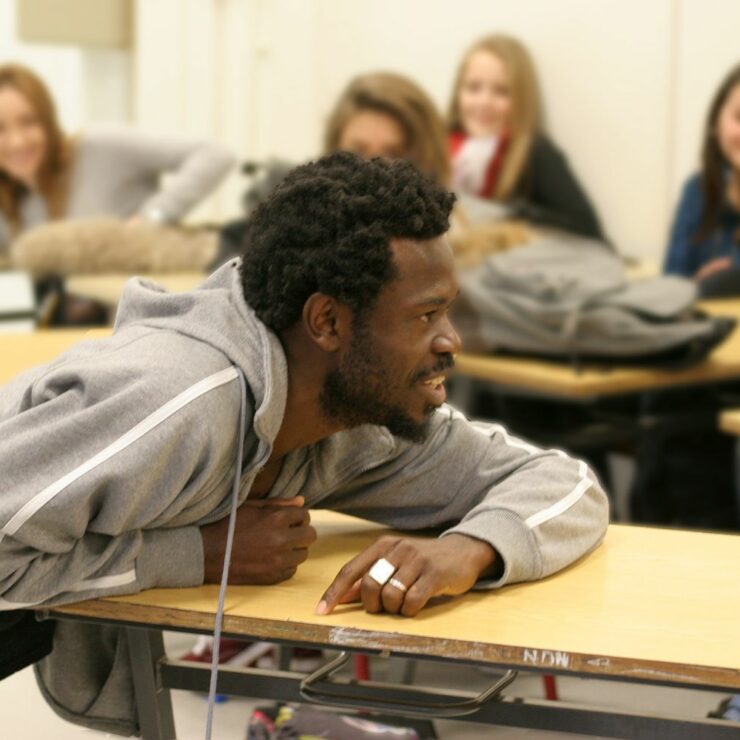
{"x":114,"y":454}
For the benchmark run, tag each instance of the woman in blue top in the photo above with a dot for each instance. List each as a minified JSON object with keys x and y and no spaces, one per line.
{"x":705,"y":239}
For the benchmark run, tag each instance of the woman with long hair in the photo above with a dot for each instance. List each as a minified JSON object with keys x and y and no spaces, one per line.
{"x":498,"y":145}
{"x":46,"y":174}
{"x":388,"y":115}
{"x":378,"y":114}
{"x":705,"y":238}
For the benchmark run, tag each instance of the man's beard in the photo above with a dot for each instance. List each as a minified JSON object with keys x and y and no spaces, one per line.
{"x":360,"y":391}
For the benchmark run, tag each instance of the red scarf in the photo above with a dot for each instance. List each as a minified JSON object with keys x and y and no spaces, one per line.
{"x":456,"y":139}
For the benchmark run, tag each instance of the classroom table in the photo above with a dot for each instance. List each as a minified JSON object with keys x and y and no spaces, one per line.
{"x":650,"y":605}
{"x":534,"y":377}
{"x":19,"y":352}
{"x":729,"y":421}
{"x":559,"y":380}
{"x":107,"y":288}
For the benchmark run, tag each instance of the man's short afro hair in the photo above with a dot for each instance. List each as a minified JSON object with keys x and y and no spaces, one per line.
{"x":327,"y":229}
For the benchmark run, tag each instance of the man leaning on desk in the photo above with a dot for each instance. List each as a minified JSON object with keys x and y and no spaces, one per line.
{"x":118,"y":458}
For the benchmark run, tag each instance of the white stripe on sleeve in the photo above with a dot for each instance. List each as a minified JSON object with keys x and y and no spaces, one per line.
{"x":565,"y":503}
{"x":559,"y":507}
{"x":143,"y":427}
{"x":122,"y":579}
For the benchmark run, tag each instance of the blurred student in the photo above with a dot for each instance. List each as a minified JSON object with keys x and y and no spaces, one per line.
{"x":705,"y":238}
{"x":498,"y":146}
{"x":382,"y":114}
{"x":46,"y":174}
{"x":378,"y":114}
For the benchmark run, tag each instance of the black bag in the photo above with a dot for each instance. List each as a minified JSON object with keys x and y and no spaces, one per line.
{"x":24,"y":640}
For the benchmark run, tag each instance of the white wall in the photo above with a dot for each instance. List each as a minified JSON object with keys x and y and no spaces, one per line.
{"x":626,"y":82}
{"x":708,"y":45}
{"x":605,"y":76}
{"x":89,"y":86}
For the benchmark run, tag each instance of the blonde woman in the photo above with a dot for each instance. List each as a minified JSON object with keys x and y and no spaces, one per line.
{"x":382,"y":114}
{"x":497,"y":143}
{"x":46,"y":175}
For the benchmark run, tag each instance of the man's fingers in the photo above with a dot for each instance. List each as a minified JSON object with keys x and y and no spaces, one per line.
{"x":297,"y":556}
{"x":418,"y":595}
{"x":259,"y":503}
{"x":301,"y":553}
{"x":300,"y":536}
{"x":370,"y":595}
{"x":350,"y":573}
{"x":289,"y":516}
{"x":393,"y":595}
{"x":353,"y":594}
{"x":263,"y":579}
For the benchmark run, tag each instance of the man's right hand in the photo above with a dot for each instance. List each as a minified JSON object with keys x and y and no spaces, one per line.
{"x":271,"y":540}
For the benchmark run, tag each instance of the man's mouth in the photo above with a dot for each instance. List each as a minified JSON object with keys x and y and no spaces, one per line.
{"x":435,"y":381}
{"x":434,"y":389}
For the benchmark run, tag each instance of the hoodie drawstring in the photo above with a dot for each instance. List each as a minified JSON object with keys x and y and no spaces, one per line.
{"x":227,"y":554}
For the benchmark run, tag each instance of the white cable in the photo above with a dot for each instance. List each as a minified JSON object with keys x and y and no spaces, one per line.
{"x":227,"y":557}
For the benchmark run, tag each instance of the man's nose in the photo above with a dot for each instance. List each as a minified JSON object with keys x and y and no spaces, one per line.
{"x":448,"y":340}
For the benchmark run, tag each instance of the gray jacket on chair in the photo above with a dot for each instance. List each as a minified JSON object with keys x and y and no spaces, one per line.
{"x":114,"y":454}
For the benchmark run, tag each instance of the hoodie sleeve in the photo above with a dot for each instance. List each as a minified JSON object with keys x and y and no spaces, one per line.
{"x":539,"y":509}
{"x":104,"y":477}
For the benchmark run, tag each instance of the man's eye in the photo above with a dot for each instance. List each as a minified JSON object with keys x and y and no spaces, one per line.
{"x":427,"y":317}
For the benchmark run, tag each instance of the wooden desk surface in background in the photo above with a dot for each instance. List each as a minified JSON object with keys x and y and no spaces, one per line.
{"x":19,"y":352}
{"x":558,"y":379}
{"x":729,"y":421}
{"x":538,"y":376}
{"x":107,"y":289}
{"x":652,"y":604}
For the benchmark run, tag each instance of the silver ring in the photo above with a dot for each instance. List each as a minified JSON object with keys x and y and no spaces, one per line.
{"x":381,"y":571}
{"x":397,"y":584}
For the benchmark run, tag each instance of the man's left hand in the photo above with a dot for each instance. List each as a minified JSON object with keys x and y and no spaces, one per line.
{"x":426,"y":568}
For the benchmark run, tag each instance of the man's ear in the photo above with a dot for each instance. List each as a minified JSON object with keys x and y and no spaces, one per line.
{"x":327,"y":321}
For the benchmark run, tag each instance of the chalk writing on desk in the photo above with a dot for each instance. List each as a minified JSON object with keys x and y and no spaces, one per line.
{"x":552,"y":658}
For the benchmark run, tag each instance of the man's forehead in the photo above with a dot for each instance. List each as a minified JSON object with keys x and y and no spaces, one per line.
{"x":410,"y":255}
{"x":425,"y":270}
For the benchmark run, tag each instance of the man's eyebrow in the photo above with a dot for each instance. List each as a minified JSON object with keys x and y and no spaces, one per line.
{"x":435,"y":300}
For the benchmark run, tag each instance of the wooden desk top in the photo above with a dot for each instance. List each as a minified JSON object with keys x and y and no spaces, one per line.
{"x":558,"y":379}
{"x":19,"y":352}
{"x":652,"y":604}
{"x":729,"y":421}
{"x":107,"y":289}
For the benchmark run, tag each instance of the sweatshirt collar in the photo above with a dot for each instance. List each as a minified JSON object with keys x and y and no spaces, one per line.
{"x":217,"y":314}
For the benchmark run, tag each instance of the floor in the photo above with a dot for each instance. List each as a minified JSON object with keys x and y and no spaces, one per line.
{"x":25,"y":716}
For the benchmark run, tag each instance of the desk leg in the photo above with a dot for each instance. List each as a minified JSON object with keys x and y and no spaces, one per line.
{"x":153,"y":701}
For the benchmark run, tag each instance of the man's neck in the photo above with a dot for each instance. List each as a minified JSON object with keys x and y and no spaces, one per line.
{"x":304,"y":422}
